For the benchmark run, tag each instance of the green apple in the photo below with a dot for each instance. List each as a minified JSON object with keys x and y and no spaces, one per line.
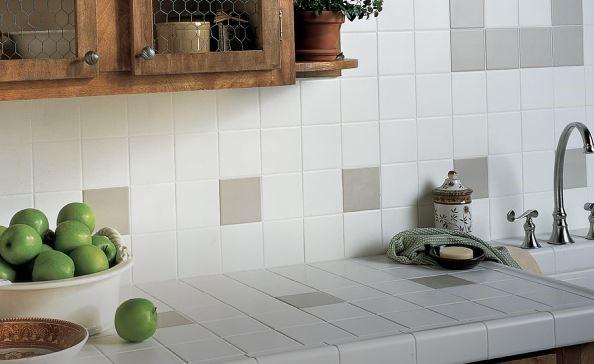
{"x":2,"y":229}
{"x":103,"y":243}
{"x":19,"y":244}
{"x":136,"y":320}
{"x":52,"y":265}
{"x":88,"y":259}
{"x":6,"y":271}
{"x":32,"y":217}
{"x":78,"y":211}
{"x":27,"y":269}
{"x":71,"y":234}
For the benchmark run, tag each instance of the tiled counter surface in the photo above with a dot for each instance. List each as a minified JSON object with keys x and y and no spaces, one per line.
{"x":365,"y":310}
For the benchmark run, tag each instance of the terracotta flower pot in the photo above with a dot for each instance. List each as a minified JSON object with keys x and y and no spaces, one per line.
{"x":317,"y":37}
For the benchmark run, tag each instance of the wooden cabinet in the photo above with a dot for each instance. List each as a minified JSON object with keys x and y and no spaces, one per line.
{"x":127,"y":37}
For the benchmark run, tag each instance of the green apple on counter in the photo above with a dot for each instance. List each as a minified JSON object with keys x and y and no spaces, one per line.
{"x":32,"y":217}
{"x":136,"y":320}
{"x":77,"y":211}
{"x":19,"y":244}
{"x":71,"y":234}
{"x":52,"y":265}
{"x":88,"y":259}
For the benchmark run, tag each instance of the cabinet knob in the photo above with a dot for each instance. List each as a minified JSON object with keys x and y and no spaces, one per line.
{"x":91,"y":58}
{"x":148,"y":53}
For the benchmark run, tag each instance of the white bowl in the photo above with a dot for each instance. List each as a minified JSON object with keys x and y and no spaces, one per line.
{"x":90,"y":301}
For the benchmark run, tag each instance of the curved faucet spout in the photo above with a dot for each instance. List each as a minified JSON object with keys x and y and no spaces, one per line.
{"x":560,"y":233}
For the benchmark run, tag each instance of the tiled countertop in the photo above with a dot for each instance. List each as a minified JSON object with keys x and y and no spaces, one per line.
{"x":368,"y":310}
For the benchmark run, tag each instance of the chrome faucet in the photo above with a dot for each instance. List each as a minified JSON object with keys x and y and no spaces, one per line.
{"x":560,"y":234}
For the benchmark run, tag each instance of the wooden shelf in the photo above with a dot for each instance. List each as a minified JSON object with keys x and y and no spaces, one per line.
{"x":324,"y":69}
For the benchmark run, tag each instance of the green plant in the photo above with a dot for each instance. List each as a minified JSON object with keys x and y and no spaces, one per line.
{"x":352,"y":9}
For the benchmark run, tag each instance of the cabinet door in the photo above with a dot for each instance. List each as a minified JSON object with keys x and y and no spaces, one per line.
{"x":198,"y":36}
{"x":47,"y":39}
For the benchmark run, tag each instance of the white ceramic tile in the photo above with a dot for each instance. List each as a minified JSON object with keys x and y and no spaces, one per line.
{"x":589,"y":85}
{"x":503,"y":89}
{"x":509,"y":167}
{"x":56,"y":120}
{"x":501,"y":13}
{"x":538,"y":169}
{"x":431,"y":298}
{"x":199,"y":252}
{"x":105,"y":163}
{"x":57,"y":166}
{"x":467,"y":311}
{"x":235,"y":326}
{"x":195,"y":111}
{"x":397,"y":15}
{"x":321,"y":147}
{"x":273,"y":99}
{"x":362,"y":233}
{"x":419,"y":319}
{"x":588,"y":8}
{"x":287,"y":318}
{"x":396,"y":53}
{"x":355,"y":293}
{"x":573,"y":326}
{"x":513,"y":305}
{"x":182,"y":334}
{"x":380,"y":350}
{"x":323,"y":238}
{"x":399,"y":185}
{"x":359,"y":99}
{"x":322,"y":192}
{"x":481,"y":225}
{"x":505,"y":133}
{"x":152,"y":208}
{"x":398,"y":141}
{"x":17,"y":160}
{"x":281,"y":150}
{"x":16,"y":122}
{"x":470,"y":136}
{"x":469,"y":91}
{"x":204,"y":350}
{"x":370,"y":326}
{"x":197,"y":204}
{"x":148,"y":356}
{"x":364,"y":45}
{"x":435,"y":138}
{"x":156,"y":257}
{"x":238,"y":109}
{"x":104,"y":117}
{"x":588,"y":48}
{"x":263,"y":341}
{"x":196,"y":156}
{"x":542,"y":202}
{"x":452,"y":345}
{"x":432,"y":14}
{"x":434,"y":95}
{"x":151,"y":159}
{"x":538,"y":130}
{"x":397,"y":97}
{"x":316,"y":334}
{"x":432,"y":53}
{"x":338,"y":311}
{"x":574,"y":258}
{"x":360,"y":145}
{"x":498,"y":209}
{"x":320,"y":101}
{"x":321,"y":355}
{"x":216,"y":312}
{"x":397,"y":220}
{"x":282,"y":197}
{"x":535,"y":13}
{"x":432,"y":174}
{"x":283,"y":243}
{"x":365,"y":25}
{"x":49,"y":202}
{"x":537,"y":88}
{"x":568,"y":115}
{"x":569,"y":86}
{"x":239,"y":153}
{"x":150,"y":114}
{"x":242,"y":247}
{"x":381,"y":305}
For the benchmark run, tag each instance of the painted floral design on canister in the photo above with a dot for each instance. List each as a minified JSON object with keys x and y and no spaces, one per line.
{"x":452,"y":203}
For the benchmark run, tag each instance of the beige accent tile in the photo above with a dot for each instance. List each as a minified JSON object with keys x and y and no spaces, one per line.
{"x":361,"y":189}
{"x":111,"y":207}
{"x":240,"y":201}
{"x":171,"y":319}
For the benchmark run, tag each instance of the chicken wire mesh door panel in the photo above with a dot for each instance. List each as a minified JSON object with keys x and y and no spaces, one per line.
{"x":194,"y":36}
{"x":47,"y":39}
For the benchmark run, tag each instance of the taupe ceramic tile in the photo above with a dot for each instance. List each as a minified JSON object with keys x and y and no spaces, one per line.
{"x":443,"y":281}
{"x":361,"y":189}
{"x":567,"y":12}
{"x":313,"y":299}
{"x":474,"y":174}
{"x":574,"y":174}
{"x":171,"y":319}
{"x":568,"y":46}
{"x":467,"y":13}
{"x":503,"y":49}
{"x":240,"y":201}
{"x":111,"y":207}
{"x":468,"y":50}
{"x":536,"y":47}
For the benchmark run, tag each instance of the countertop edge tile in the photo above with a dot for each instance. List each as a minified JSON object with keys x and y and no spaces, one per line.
{"x":456,"y":344}
{"x":573,"y":326}
{"x":318,"y":355}
{"x":379,"y":350}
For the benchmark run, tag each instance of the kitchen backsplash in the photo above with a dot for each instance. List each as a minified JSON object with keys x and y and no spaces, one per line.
{"x":218,"y":181}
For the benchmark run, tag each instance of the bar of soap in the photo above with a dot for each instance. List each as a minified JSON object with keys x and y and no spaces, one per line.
{"x":456,"y":252}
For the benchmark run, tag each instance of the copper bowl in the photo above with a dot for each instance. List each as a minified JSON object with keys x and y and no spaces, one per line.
{"x":40,"y":340}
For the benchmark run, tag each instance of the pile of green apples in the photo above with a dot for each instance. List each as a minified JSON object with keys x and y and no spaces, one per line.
{"x":30,"y":251}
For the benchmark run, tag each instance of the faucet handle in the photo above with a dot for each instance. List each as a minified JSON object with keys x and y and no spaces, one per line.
{"x":530,"y":241}
{"x":590,"y":207}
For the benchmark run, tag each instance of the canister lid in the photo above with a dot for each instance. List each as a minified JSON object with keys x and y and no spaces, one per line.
{"x":452,"y":190}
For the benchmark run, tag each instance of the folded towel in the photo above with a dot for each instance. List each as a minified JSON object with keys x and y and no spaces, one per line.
{"x":408,"y":247}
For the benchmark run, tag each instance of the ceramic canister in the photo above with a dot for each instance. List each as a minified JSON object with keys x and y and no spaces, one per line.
{"x":452,"y":204}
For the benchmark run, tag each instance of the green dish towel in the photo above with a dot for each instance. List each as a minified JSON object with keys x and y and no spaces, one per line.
{"x":408,"y":247}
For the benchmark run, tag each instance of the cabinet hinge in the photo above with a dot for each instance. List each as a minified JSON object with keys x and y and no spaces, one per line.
{"x":280,"y":15}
